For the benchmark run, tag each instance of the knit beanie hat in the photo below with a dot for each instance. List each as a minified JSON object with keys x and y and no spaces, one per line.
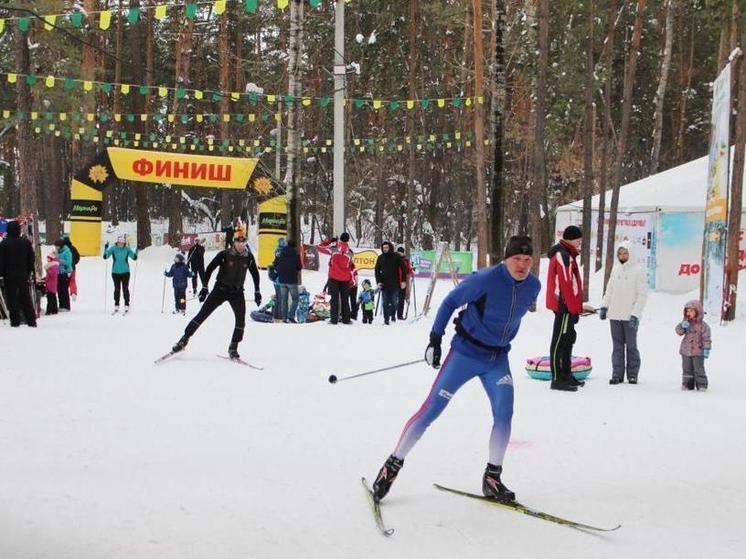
{"x":519,"y":244}
{"x":345,"y":237}
{"x":572,"y":232}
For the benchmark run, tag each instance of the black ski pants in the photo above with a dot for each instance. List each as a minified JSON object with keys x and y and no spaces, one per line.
{"x":199,"y":271}
{"x":563,"y":338}
{"x":63,"y":291}
{"x":121,"y":286}
{"x":339,"y":292}
{"x":18,"y":298}
{"x":219,"y":295}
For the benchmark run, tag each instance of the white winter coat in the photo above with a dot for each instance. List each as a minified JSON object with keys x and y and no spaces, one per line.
{"x":626,"y":291}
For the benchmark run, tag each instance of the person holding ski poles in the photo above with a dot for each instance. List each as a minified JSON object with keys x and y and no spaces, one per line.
{"x":180,"y":274}
{"x":196,"y":261}
{"x":407,"y":273}
{"x":120,"y":253}
{"x":232,"y":265}
{"x":496,"y":299}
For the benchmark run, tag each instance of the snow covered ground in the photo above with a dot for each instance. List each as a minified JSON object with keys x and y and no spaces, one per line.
{"x":103,"y":455}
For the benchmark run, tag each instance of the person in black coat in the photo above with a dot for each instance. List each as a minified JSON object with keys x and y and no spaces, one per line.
{"x":287,"y":264}
{"x":196,"y":260}
{"x":16,"y":272}
{"x":390,"y":269}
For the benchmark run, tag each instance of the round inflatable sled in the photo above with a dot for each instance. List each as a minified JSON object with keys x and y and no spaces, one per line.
{"x":539,"y":368}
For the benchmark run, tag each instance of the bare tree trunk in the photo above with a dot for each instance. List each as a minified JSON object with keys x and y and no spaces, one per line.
{"x":588,"y":128}
{"x":411,"y":77}
{"x":497,"y":198}
{"x":660,"y":93}
{"x":481,"y":198}
{"x":605,"y":133}
{"x":25,"y":140}
{"x":53,"y":192}
{"x":226,"y":202}
{"x":732,"y":259}
{"x":685,"y":85}
{"x":142,"y":201}
{"x":539,"y":168}
{"x":295,"y":76}
{"x":629,"y":82}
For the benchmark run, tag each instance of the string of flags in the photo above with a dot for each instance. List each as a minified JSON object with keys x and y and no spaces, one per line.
{"x":103,"y":18}
{"x":422,"y":143}
{"x":253,"y":97}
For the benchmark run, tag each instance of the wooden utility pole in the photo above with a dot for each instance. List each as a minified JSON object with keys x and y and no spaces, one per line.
{"x":588,"y":128}
{"x":497,"y":197}
{"x":481,"y":187}
{"x":629,"y":83}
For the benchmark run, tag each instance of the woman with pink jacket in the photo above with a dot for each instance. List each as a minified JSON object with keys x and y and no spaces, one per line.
{"x":52,"y":268}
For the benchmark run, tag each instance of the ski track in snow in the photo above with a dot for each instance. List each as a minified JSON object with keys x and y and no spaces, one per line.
{"x":103,"y":455}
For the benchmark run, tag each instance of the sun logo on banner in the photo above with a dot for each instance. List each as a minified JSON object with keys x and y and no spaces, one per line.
{"x":263,"y":185}
{"x":98,"y":174}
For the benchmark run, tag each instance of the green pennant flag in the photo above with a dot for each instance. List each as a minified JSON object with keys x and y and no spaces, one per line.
{"x":238,"y":116}
{"x":151,"y":137}
{"x":77,"y":117}
{"x":213,"y":117}
{"x":158,"y":117}
{"x":123,"y":135}
{"x":106,"y":87}
{"x":457,"y":101}
{"x":143,"y":90}
{"x":314,"y":3}
{"x":24,"y":23}
{"x":180,"y":92}
{"x":184,"y":118}
{"x":69,"y":83}
{"x":393,"y":105}
{"x":130,"y":117}
{"x":133,"y":14}
{"x":48,"y":116}
{"x":104,"y":117}
{"x":31,"y":80}
{"x":253,"y":98}
{"x":76,"y":19}
{"x":265,"y":117}
{"x":359,"y":103}
{"x":324,"y":102}
{"x":288,"y":99}
{"x":425,"y":103}
{"x":251,"y":5}
{"x":216,"y":96}
{"x":191,"y":10}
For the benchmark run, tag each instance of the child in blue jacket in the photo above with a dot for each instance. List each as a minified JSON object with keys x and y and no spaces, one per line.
{"x":180,"y":274}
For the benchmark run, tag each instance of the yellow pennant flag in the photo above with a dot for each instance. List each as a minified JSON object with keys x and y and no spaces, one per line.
{"x":109,"y":133}
{"x":441,"y":103}
{"x":457,"y":135}
{"x":323,"y":150}
{"x":219,"y":7}
{"x":399,"y":147}
{"x":271,"y":98}
{"x":162,"y":91}
{"x":63,"y":116}
{"x":87,"y":85}
{"x":431,"y":138}
{"x":160,"y":11}
{"x":282,"y":4}
{"x":362,"y":149}
{"x":51,"y":126}
{"x":278,"y":117}
{"x":468,"y":102}
{"x":49,"y":82}
{"x":6,"y":113}
{"x":34,"y":115}
{"x":480,"y":100}
{"x":170,"y":117}
{"x":377,"y":104}
{"x":241,"y":143}
{"x":306,"y":101}
{"x":198,"y":94}
{"x":252,"y":117}
{"x":410,"y":103}
{"x":117,"y":117}
{"x":226,"y":117}
{"x":104,"y":19}
{"x":89,"y":117}
{"x":125,"y":88}
{"x":138,"y":136}
{"x":356,"y":141}
{"x":49,"y":22}
{"x":235,"y":96}
{"x":199,"y":118}
{"x":256,"y":143}
{"x":143,"y":117}
{"x":182,"y":140}
{"x":2,"y":25}
{"x":12,"y":78}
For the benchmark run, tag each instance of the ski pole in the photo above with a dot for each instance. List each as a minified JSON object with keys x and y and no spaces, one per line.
{"x":134,"y":283}
{"x":163,"y":295}
{"x":106,"y":284}
{"x":333,"y":379}
{"x":378,"y":300}
{"x":414,"y":296}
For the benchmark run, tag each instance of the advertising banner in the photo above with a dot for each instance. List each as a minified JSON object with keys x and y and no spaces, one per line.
{"x":424,"y":260}
{"x":716,"y":209}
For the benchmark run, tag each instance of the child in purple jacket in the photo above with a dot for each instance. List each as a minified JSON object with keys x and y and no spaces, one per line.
{"x":695,"y":347}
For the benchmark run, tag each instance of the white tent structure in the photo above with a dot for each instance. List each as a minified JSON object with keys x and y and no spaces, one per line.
{"x":662,"y":217}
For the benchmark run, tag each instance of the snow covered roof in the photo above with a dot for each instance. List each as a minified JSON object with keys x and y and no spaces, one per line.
{"x":681,"y":189}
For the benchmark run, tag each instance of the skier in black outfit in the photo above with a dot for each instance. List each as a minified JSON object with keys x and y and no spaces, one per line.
{"x":16,"y":271}
{"x":232,"y":265}
{"x":196,"y":259}
{"x":390,"y":270}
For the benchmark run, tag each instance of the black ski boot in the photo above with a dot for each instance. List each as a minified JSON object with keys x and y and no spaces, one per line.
{"x":386,"y":477}
{"x":493,"y":487}
{"x":181,"y":344}
{"x":576,"y":382}
{"x":563,"y":385}
{"x":233,"y":351}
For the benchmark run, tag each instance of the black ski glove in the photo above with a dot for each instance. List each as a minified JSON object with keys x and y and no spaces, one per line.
{"x":433,"y":351}
{"x":602,"y":313}
{"x":257,"y":298}
{"x":202,"y":295}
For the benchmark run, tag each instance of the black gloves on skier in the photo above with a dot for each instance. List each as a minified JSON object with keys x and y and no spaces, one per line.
{"x":433,"y":351}
{"x":602,"y":313}
{"x":257,"y":298}
{"x":202,"y":295}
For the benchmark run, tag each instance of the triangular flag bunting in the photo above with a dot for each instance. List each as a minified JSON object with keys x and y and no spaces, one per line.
{"x":104,"y":19}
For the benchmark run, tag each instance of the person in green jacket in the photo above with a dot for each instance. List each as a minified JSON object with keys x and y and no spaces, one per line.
{"x":120,"y":270}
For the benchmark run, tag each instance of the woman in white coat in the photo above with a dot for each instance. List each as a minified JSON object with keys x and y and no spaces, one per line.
{"x":623,"y":303}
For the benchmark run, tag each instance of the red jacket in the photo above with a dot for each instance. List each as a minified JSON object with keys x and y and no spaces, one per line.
{"x":341,"y":264}
{"x":409,"y":270}
{"x":564,"y":284}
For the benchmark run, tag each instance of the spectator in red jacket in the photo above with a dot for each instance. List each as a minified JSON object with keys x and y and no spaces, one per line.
{"x":565,"y":298}
{"x":340,"y":278}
